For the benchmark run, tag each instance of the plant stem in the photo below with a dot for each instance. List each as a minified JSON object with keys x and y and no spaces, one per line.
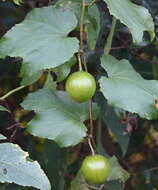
{"x":91,"y":117}
{"x":155,"y":71}
{"x":82,"y":25}
{"x":152,"y":169}
{"x":92,"y":3}
{"x":91,"y":138}
{"x":91,"y":187}
{"x":91,"y":122}
{"x":91,"y":147}
{"x":81,"y":32}
{"x":79,"y":62}
{"x":84,"y":63}
{"x":11,"y":92}
{"x":110,"y":37}
{"x":101,"y":187}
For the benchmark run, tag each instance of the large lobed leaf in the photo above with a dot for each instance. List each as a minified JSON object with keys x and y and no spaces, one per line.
{"x":92,"y":25}
{"x":126,"y":89}
{"x":57,"y":117}
{"x":41,"y":39}
{"x":16,"y":168}
{"x":136,"y":18}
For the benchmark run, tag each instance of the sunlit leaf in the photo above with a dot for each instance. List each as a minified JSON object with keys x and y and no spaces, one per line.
{"x":41,"y":40}
{"x":57,"y":117}
{"x":15,"y":167}
{"x":135,"y":17}
{"x":125,"y":88}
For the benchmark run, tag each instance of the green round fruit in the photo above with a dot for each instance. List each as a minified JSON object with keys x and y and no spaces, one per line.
{"x":80,"y":86}
{"x":95,"y":169}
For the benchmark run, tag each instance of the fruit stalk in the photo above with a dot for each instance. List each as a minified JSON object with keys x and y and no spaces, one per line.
{"x":91,"y":147}
{"x":91,"y":125}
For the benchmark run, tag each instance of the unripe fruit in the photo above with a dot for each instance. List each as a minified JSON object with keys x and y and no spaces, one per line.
{"x":80,"y":86}
{"x":95,"y":169}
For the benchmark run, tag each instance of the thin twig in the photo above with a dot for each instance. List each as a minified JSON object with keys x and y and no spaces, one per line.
{"x":12,"y":126}
{"x":152,"y":169}
{"x":91,"y":123}
{"x":110,"y":36}
{"x":11,"y":92}
{"x":82,"y":25}
{"x":91,"y":117}
{"x":91,"y":147}
{"x":101,"y":187}
{"x":91,"y":187}
{"x":118,"y":47}
{"x":92,"y":3}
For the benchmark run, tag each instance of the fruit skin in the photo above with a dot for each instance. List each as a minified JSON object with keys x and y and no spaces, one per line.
{"x":80,"y":86}
{"x":95,"y":169}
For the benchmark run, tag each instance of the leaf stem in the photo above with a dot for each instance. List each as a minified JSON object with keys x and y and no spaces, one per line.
{"x":12,"y":92}
{"x":110,"y":36}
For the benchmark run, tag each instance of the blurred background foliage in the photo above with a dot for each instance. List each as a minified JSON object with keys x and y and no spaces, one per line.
{"x":137,"y":151}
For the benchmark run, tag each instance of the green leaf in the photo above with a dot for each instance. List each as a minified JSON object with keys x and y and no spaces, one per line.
{"x":55,"y":166}
{"x":74,"y":5}
{"x":92,"y":25}
{"x":2,"y":137}
{"x":79,"y":183}
{"x":117,"y":172}
{"x":8,"y":186}
{"x":113,"y":185}
{"x":18,"y":2}
{"x":28,"y":80}
{"x":126,"y":89}
{"x":61,"y":2}
{"x":117,"y":128}
{"x":42,"y":39}
{"x":50,"y":84}
{"x":113,"y":123}
{"x":58,"y":118}
{"x":3,"y":109}
{"x":15,"y":167}
{"x":63,"y":70}
{"x":136,"y":18}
